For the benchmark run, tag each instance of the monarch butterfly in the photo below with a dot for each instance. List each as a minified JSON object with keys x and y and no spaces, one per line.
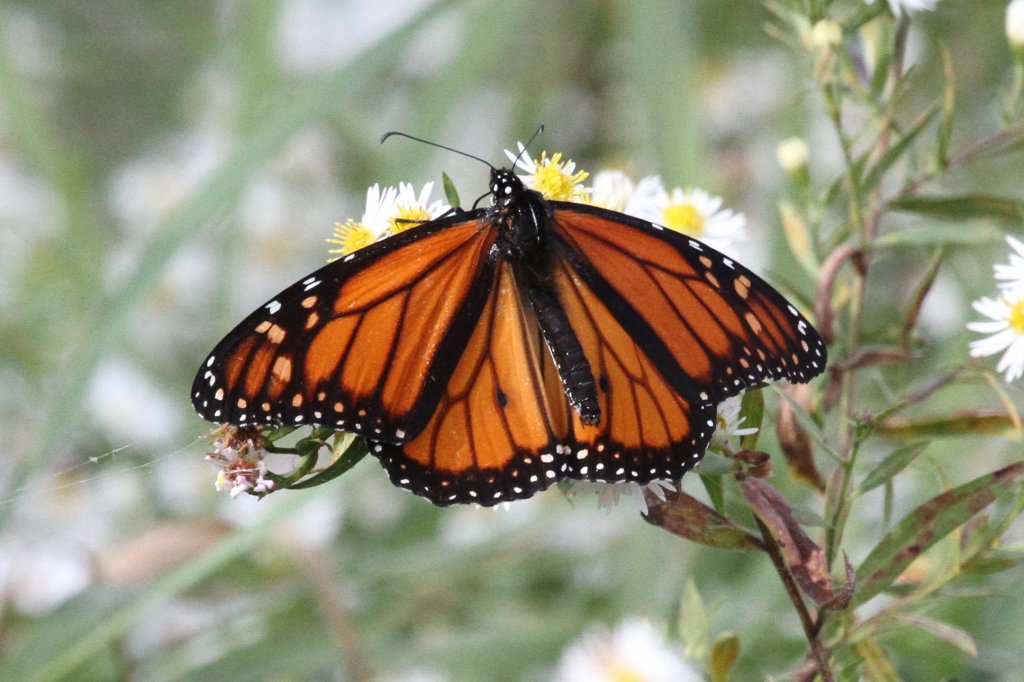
{"x":490,"y":353}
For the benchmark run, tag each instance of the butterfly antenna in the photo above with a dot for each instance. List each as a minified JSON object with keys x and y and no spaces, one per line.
{"x":540,"y":129}
{"x":434,"y":144}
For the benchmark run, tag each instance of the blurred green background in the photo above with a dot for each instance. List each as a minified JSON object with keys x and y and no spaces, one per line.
{"x":167,"y":166}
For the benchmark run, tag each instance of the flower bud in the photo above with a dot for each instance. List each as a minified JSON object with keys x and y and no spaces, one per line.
{"x":792,"y":155}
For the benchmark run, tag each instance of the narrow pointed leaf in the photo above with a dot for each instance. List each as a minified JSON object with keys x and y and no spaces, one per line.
{"x":693,"y":623}
{"x":897,"y":460}
{"x":450,"y":193}
{"x":803,"y":557}
{"x":964,"y":207}
{"x":687,"y":517}
{"x":928,"y":524}
{"x":897,"y":150}
{"x":723,"y":655}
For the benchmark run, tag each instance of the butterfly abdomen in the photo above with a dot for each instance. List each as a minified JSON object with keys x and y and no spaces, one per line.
{"x":573,"y":368}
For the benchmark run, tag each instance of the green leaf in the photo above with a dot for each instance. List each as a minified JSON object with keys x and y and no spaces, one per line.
{"x":798,"y":237}
{"x":693,"y":623}
{"x":897,"y":150}
{"x":948,"y":108}
{"x":928,"y":524}
{"x":967,"y":422}
{"x":450,"y":193}
{"x":752,"y":412}
{"x":723,"y":655}
{"x":937,"y":235}
{"x":964,"y":207}
{"x":897,"y":460}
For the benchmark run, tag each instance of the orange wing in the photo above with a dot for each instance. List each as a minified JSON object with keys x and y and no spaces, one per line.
{"x":364,"y":344}
{"x":504,"y":429}
{"x":711,"y":327}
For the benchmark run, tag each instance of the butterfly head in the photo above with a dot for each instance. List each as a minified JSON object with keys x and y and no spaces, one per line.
{"x":506,"y":187}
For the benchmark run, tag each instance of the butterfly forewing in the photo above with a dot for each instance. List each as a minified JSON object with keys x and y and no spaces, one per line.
{"x":364,"y":344}
{"x":711,"y":326}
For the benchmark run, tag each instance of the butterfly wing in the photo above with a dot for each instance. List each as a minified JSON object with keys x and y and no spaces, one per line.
{"x":365,"y":344}
{"x":710,"y":326}
{"x":504,"y":430}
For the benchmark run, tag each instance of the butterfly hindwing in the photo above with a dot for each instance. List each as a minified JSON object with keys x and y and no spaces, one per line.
{"x":712,"y":327}
{"x":364,"y":344}
{"x":497,"y":431}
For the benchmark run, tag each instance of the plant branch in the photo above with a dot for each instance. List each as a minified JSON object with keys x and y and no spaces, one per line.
{"x":811,"y":628}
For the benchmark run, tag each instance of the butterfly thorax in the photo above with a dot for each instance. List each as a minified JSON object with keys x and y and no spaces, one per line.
{"x":520,"y":214}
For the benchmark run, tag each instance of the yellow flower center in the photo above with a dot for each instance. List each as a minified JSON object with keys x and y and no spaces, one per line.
{"x":617,"y":672}
{"x":683,"y":218}
{"x":1016,"y":316}
{"x":349,"y":237}
{"x":554,"y":181}
{"x":406,"y":218}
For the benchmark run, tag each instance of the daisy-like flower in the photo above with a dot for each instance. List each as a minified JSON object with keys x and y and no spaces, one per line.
{"x":633,"y":652}
{"x":729,"y":422}
{"x":354,"y":235}
{"x":608,"y":494}
{"x":239,"y":453}
{"x":611,"y":189}
{"x":411,"y":210}
{"x":1012,"y":275}
{"x":555,"y":179}
{"x":1005,"y":330}
{"x":898,"y":7}
{"x":696,"y":213}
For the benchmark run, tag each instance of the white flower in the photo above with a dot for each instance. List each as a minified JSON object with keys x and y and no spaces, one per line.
{"x":608,"y":493}
{"x":693,"y":212}
{"x":644,"y":200}
{"x":898,"y":7}
{"x":633,"y":651}
{"x":1012,"y":274}
{"x":728,"y":425}
{"x":611,"y":189}
{"x":410,"y":209}
{"x":1015,"y":24}
{"x":352,"y":235}
{"x":239,"y":453}
{"x":1005,"y":330}
{"x":555,"y":179}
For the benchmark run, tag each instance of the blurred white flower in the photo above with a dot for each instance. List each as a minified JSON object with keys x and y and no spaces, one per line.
{"x":1005,"y":330}
{"x":611,"y":189}
{"x":728,"y":423}
{"x":555,"y":179}
{"x":128,"y":404}
{"x":1012,"y":275}
{"x":695,"y":213}
{"x":633,"y":651}
{"x":898,"y":7}
{"x":1015,"y":24}
{"x":40,"y":577}
{"x":608,"y":494}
